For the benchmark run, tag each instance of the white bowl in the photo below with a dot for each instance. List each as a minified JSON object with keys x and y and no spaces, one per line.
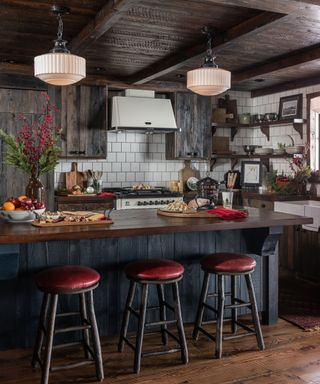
{"x":279,"y":151}
{"x":19,"y":216}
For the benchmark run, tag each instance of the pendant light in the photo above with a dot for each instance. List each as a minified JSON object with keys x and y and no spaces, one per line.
{"x":209,"y":80}
{"x":60,"y":67}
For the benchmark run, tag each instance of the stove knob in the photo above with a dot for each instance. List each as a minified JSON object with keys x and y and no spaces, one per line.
{"x":157,"y":202}
{"x":151,"y":202}
{"x":162,"y":202}
{"x":167,"y":201}
{"x":139,"y":203}
{"x":145,"y":203}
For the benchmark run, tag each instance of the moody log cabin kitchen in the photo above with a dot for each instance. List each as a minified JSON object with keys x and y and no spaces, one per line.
{"x":159,"y":191}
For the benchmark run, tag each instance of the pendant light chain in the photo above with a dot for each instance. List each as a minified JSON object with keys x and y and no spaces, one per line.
{"x":60,"y":27}
{"x":209,"y":59}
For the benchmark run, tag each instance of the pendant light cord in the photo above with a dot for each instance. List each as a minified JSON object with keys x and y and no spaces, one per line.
{"x":209,"y":58}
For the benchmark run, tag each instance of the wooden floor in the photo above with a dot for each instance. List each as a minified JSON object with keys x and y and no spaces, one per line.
{"x":291,"y":356}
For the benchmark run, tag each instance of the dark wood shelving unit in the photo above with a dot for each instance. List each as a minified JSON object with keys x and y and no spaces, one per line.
{"x":234,"y":157}
{"x":264,"y":127}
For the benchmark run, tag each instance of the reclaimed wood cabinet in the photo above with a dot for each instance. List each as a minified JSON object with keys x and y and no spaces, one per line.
{"x":83,"y":120}
{"x":193,"y":116}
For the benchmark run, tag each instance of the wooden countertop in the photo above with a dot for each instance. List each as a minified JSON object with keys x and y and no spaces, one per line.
{"x":139,"y":222}
{"x":273,"y":196}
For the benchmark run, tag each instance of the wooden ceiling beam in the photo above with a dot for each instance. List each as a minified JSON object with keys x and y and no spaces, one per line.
{"x":105,"y":19}
{"x":221,"y":41}
{"x":289,"y":60}
{"x":301,"y":7}
{"x":286,"y":86}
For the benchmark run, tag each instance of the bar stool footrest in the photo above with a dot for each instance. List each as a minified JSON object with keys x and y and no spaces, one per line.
{"x":71,"y":365}
{"x":162,"y":352}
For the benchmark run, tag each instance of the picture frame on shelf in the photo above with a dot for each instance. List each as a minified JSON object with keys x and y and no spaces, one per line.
{"x":251,"y":173}
{"x":290,"y":107}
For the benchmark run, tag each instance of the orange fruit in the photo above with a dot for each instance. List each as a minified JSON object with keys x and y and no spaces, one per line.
{"x":22,"y":197}
{"x":20,"y":209}
{"x":8,"y":206}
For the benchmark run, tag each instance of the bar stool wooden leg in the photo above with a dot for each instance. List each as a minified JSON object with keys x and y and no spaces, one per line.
{"x":219,"y":329}
{"x":202,"y":300}
{"x":40,"y":332}
{"x":95,"y":338}
{"x":85,"y":332}
{"x":140,"y":333}
{"x":254,"y":312}
{"x":163,"y":315}
{"x":49,"y":338}
{"x":126,"y":316}
{"x":234,"y":314}
{"x":178,"y":315}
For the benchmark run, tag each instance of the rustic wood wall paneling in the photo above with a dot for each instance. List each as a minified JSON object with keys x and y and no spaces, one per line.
{"x":13,"y":103}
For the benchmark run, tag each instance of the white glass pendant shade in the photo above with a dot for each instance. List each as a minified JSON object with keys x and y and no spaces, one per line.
{"x":208,"y":81}
{"x":60,"y":68}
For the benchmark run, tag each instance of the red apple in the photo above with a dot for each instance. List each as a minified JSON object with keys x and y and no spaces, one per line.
{"x":27,"y":200}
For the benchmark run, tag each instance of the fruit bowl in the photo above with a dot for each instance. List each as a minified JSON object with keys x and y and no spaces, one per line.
{"x":21,"y":216}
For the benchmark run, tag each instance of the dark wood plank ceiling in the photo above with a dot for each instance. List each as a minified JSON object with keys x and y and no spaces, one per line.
{"x":158,"y":41}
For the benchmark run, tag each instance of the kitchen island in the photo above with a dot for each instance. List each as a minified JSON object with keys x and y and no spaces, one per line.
{"x":135,"y":234}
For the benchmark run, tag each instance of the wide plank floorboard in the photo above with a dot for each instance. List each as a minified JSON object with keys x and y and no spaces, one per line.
{"x":292,"y":356}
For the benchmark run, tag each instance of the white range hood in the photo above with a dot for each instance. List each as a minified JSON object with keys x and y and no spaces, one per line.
{"x":142,"y":112}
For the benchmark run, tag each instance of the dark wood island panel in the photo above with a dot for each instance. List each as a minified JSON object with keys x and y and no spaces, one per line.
{"x":136,"y":234}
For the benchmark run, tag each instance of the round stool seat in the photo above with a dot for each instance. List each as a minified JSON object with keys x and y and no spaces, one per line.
{"x":66,"y":278}
{"x":227,"y":263}
{"x":154,"y":269}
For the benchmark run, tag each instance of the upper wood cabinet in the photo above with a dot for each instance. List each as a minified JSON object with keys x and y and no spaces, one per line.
{"x":83,"y":120}
{"x":193,"y":116}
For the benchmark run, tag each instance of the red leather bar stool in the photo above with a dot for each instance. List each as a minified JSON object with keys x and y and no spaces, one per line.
{"x":157,"y":272}
{"x":67,"y":280}
{"x":234,"y":265}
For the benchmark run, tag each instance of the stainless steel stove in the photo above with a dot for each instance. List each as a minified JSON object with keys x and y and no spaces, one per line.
{"x":157,"y":197}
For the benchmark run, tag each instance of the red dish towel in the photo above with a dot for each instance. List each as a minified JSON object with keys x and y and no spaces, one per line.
{"x":228,"y":214}
{"x":106,"y":194}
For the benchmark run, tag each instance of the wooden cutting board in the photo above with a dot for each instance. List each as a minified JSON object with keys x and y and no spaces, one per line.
{"x":72,"y":223}
{"x":74,"y":177}
{"x":186,"y":173}
{"x":190,"y":215}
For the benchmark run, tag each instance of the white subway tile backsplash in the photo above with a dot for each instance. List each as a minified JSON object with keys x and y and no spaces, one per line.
{"x":116,"y":167}
{"x":121,"y":157}
{"x":135,"y":167}
{"x":136,"y":157}
{"x":126,"y":147}
{"x":130,"y":157}
{"x":126,"y":167}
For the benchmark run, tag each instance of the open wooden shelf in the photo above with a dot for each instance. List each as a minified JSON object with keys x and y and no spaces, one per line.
{"x":264,"y":127}
{"x":234,"y":157}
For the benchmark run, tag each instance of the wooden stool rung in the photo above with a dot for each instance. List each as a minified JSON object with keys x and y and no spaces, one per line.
{"x":66,"y":345}
{"x":133,"y":311}
{"x":161,"y":352}
{"x":231,"y":306}
{"x":71,"y":365}
{"x":244,"y":326}
{"x":172,"y":335}
{"x":128,"y":342}
{"x":162,"y":322}
{"x":168,"y":305}
{"x":208,"y":306}
{"x":72,"y":329}
{"x":65,"y":314}
{"x":206,"y":333}
{"x":238,"y":336}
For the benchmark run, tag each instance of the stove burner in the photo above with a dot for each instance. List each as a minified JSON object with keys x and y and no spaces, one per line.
{"x":154,"y":192}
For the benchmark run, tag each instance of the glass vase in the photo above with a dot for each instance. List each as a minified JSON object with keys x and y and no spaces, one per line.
{"x":35,"y":189}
